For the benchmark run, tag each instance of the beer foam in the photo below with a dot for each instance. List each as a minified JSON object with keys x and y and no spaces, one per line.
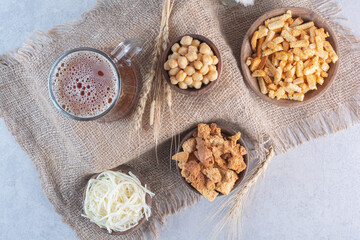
{"x":85,"y":84}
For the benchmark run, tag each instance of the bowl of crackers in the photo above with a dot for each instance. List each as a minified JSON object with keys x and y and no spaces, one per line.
{"x":191,"y":64}
{"x":212,"y":160}
{"x":289,"y":56}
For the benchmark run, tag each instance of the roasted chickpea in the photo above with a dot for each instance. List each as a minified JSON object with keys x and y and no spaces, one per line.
{"x":166,"y":66}
{"x":206,"y":59}
{"x":172,"y":63}
{"x":188,"y":80}
{"x":191,"y":64}
{"x":173,"y":80}
{"x":182,"y":62}
{"x":197,"y":76}
{"x":183,"y":51}
{"x":173,"y":56}
{"x":189,"y":70}
{"x":197,"y":84}
{"x":174,"y":71}
{"x":198,"y":64}
{"x":186,"y":40}
{"x":180,"y":76}
{"x":215,"y":60}
{"x":212,"y":68}
{"x":193,"y":49}
{"x":204,"y":69}
{"x":195,"y":43}
{"x":204,"y":48}
{"x":182,"y":85}
{"x":212,"y":75}
{"x":191,"y":56}
{"x":175,"y":47}
{"x":205,"y":80}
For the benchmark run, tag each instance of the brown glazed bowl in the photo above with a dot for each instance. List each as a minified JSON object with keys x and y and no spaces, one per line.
{"x":227,"y":132}
{"x":307,"y":15}
{"x":191,"y":91}
{"x":124,"y":169}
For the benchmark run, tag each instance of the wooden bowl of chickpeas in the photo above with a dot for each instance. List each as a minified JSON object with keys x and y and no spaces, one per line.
{"x":191,"y":64}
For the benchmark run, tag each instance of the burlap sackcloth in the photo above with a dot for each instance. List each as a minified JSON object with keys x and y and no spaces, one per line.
{"x":66,"y":152}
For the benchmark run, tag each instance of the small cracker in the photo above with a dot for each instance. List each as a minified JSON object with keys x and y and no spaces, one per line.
{"x":189,"y":145}
{"x":198,"y":182}
{"x":203,"y":131}
{"x":236,"y":163}
{"x":235,"y":138}
{"x":221,"y":162}
{"x":193,"y":168}
{"x":209,"y":194}
{"x":214,"y":130}
{"x":227,"y":183}
{"x":212,"y":173}
{"x":181,"y":156}
{"x":210,"y":185}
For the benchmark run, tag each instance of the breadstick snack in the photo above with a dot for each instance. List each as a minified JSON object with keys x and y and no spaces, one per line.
{"x":290,"y":57}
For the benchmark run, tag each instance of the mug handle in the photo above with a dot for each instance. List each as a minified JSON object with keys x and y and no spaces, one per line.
{"x":126,"y":51}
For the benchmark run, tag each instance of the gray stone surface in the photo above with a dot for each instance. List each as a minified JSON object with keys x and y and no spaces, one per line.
{"x":311,"y":192}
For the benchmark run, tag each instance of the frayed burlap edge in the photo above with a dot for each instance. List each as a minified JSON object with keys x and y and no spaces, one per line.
{"x":339,"y":118}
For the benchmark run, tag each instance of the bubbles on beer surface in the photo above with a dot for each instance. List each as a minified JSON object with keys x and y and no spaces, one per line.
{"x":84,"y":84}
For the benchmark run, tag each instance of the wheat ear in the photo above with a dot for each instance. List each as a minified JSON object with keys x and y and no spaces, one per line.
{"x":149,"y":77}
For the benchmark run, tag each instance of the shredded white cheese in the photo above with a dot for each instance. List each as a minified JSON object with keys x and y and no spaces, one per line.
{"x":116,"y":201}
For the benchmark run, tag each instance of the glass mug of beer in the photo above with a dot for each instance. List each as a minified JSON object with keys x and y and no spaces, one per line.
{"x":87,"y":84}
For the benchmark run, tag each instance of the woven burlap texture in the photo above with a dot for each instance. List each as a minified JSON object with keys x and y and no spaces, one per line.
{"x":66,"y":152}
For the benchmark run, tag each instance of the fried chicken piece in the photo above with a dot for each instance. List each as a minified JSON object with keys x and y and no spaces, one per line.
{"x":236,"y":163}
{"x":214,"y":130}
{"x":203,"y":131}
{"x":189,"y":145}
{"x":212,"y":173}
{"x":227,"y":183}
{"x":181,"y":156}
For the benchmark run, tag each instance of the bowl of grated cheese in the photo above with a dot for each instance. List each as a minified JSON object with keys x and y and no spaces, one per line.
{"x":117,"y":201}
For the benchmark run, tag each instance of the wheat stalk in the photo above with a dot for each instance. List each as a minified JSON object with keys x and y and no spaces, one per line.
{"x":155,"y":62}
{"x":234,"y":214}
